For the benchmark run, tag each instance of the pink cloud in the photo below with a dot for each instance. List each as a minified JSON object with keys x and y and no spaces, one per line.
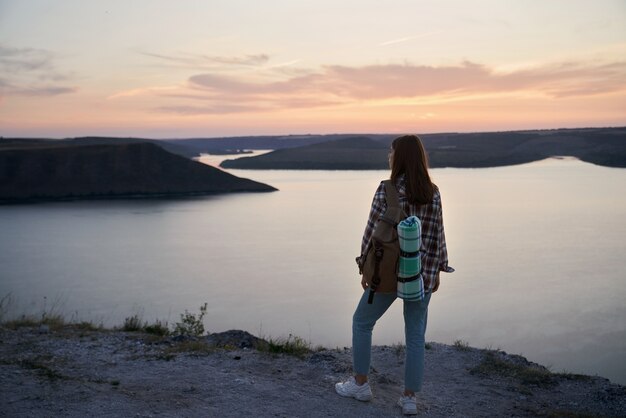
{"x":336,"y":84}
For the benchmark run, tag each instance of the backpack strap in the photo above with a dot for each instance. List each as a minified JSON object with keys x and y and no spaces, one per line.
{"x":394,"y":213}
{"x":391,"y":194}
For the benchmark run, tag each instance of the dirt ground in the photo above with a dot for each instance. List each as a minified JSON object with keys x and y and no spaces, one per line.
{"x":77,"y":373}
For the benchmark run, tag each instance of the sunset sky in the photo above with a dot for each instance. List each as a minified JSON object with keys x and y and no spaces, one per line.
{"x":175,"y":69}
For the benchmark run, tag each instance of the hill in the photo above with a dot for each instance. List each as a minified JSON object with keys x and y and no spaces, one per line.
{"x":602,"y":146}
{"x":48,"y":170}
{"x":197,"y":146}
{"x":357,"y":153}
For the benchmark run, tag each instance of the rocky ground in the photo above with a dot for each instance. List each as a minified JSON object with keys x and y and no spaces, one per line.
{"x":74,"y":372}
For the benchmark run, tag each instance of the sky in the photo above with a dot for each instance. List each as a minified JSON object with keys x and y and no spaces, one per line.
{"x":180,"y":69}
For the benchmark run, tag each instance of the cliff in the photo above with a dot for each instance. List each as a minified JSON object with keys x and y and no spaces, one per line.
{"x":45,"y":170}
{"x":82,"y":371}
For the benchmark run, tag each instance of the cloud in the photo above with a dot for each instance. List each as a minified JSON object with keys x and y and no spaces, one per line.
{"x":186,"y":60}
{"x":29,"y":72}
{"x":407,"y":38}
{"x":214,"y":110}
{"x":141,"y":91}
{"x":389,"y":81}
{"x":337,"y":85}
{"x":24,"y":59}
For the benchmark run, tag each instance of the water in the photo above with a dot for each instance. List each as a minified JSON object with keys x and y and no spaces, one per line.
{"x":538,"y":248}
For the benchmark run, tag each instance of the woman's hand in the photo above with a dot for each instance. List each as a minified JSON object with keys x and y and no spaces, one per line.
{"x":363,"y":282}
{"x":436,"y":283}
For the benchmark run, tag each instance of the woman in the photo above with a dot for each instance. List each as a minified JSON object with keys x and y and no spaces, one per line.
{"x":420,"y":197}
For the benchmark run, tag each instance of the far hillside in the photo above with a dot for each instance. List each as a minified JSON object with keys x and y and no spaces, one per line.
{"x":602,"y":146}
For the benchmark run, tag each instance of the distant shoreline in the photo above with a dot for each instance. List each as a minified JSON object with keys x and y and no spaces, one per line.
{"x":603,"y":146}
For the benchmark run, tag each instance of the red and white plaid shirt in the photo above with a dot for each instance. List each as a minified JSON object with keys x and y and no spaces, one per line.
{"x":433,"y":249}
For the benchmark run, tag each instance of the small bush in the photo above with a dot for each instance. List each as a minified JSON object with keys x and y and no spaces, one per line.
{"x":87,"y":326}
{"x":190,"y":324}
{"x":157,"y":328}
{"x":398,"y":348}
{"x":133,"y":323}
{"x":21,"y":322}
{"x":54,"y":321}
{"x":293,"y":345}
{"x":461,"y":345}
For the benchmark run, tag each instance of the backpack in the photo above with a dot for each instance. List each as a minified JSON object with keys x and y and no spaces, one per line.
{"x":380,"y":265}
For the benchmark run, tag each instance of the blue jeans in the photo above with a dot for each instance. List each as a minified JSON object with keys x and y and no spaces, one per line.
{"x":415,"y":316}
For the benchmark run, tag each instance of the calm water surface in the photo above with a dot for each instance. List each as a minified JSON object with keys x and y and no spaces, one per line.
{"x":539,"y":251}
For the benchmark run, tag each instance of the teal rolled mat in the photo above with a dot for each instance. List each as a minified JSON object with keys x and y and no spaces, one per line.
{"x":410,"y":280}
{"x":409,"y":234}
{"x":412,"y":291}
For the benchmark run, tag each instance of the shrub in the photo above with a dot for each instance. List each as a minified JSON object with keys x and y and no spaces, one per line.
{"x":461,"y":345}
{"x":132,"y":323}
{"x":190,"y":324}
{"x":157,"y":328}
{"x":293,"y":345}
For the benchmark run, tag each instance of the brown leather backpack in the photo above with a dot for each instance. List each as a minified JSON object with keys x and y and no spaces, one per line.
{"x":380,"y":265}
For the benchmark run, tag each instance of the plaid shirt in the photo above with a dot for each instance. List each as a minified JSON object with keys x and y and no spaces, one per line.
{"x":433,"y":249}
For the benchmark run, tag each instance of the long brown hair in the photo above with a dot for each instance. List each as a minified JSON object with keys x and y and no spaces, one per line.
{"x":410,"y":159}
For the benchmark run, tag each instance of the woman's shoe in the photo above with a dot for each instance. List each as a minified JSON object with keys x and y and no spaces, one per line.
{"x":350,"y":389}
{"x":408,"y":405}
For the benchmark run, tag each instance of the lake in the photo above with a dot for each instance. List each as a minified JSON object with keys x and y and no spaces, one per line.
{"x":539,"y":253}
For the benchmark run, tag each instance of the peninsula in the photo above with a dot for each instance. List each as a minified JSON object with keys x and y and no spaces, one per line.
{"x":35,"y":170}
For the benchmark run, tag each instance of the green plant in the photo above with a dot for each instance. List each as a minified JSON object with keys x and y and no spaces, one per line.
{"x":157,"y":328}
{"x":461,"y":345}
{"x":190,"y":324}
{"x":527,"y":373}
{"x":292,"y":345}
{"x":398,"y":348}
{"x":22,"y":321}
{"x":86,"y":326}
{"x":5,"y":303}
{"x":132,"y":323}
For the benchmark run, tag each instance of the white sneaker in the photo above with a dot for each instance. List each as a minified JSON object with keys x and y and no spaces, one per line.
{"x":408,"y":405}
{"x":350,"y":389}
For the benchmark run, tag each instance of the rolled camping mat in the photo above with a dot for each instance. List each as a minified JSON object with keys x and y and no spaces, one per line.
{"x":409,"y":234}
{"x":409,"y":266}
{"x":411,"y":291}
{"x":409,"y":237}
